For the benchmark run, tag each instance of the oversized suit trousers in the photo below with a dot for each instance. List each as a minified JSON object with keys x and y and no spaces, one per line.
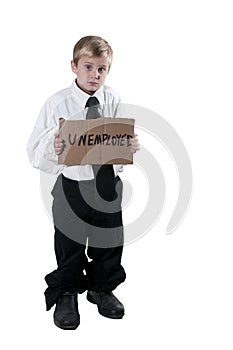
{"x":88,"y":239}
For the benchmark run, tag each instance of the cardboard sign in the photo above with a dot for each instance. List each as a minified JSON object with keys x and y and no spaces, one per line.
{"x":96,"y":141}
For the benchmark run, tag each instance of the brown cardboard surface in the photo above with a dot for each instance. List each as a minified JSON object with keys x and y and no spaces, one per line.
{"x":96,"y":141}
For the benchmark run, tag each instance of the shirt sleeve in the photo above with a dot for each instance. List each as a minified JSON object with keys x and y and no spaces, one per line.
{"x":40,"y":147}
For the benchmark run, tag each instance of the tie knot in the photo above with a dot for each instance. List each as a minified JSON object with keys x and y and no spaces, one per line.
{"x":92,"y":101}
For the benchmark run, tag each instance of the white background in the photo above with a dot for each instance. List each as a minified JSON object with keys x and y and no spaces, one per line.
{"x":174,"y":57}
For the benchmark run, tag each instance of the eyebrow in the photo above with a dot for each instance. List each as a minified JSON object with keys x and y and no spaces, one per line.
{"x":101,"y":65}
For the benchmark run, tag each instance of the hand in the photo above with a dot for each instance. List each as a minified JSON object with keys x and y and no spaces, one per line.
{"x":59,"y":145}
{"x":134,"y":144}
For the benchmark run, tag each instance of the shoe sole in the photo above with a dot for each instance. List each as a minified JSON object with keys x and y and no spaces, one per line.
{"x":115,"y":317}
{"x":65,"y":327}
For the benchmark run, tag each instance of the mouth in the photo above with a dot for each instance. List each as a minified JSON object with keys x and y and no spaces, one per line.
{"x":93,"y":83}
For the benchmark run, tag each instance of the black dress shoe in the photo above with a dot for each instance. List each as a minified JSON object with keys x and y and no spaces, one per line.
{"x":66,"y":315}
{"x":108,"y":305}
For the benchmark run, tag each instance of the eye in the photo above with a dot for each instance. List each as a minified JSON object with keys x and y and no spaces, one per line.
{"x":88,"y":66}
{"x":102,"y":70}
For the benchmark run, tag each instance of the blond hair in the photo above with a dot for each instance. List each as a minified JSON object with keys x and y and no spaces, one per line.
{"x":92,"y":46}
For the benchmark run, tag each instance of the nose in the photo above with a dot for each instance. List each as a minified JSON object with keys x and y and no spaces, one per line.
{"x":95,"y":73}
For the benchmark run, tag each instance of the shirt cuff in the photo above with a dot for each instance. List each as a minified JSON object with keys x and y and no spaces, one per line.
{"x":118,"y":168}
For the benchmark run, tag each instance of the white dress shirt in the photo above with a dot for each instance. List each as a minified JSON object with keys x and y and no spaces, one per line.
{"x":68,"y":104}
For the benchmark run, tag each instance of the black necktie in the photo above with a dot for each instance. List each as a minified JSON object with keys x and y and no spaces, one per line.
{"x":104,"y":174}
{"x":93,"y":108}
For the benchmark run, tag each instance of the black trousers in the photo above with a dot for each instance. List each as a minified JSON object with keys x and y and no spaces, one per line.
{"x":88,"y":239}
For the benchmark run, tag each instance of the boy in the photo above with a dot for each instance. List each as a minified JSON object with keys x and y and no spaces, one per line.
{"x":82,"y":194}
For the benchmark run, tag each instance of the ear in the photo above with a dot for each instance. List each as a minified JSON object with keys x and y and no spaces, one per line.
{"x":73,"y":67}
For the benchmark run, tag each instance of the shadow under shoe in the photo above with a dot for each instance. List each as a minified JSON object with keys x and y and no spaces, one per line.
{"x":108,"y":305}
{"x":66,"y":314}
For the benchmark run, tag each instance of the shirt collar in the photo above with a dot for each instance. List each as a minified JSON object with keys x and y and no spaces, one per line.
{"x":82,"y":96}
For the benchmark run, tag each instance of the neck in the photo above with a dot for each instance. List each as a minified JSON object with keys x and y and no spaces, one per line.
{"x":87,"y":92}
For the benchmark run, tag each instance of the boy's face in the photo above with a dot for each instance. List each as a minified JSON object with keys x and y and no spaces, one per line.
{"x":91,"y":72}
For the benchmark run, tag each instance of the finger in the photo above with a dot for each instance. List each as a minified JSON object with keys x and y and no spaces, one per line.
{"x":59,"y":144}
{"x":134,"y":143}
{"x":135,"y":148}
{"x":58,"y":149}
{"x":135,"y":138}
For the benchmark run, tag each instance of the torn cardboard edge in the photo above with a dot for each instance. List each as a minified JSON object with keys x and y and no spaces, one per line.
{"x":96,"y":141}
